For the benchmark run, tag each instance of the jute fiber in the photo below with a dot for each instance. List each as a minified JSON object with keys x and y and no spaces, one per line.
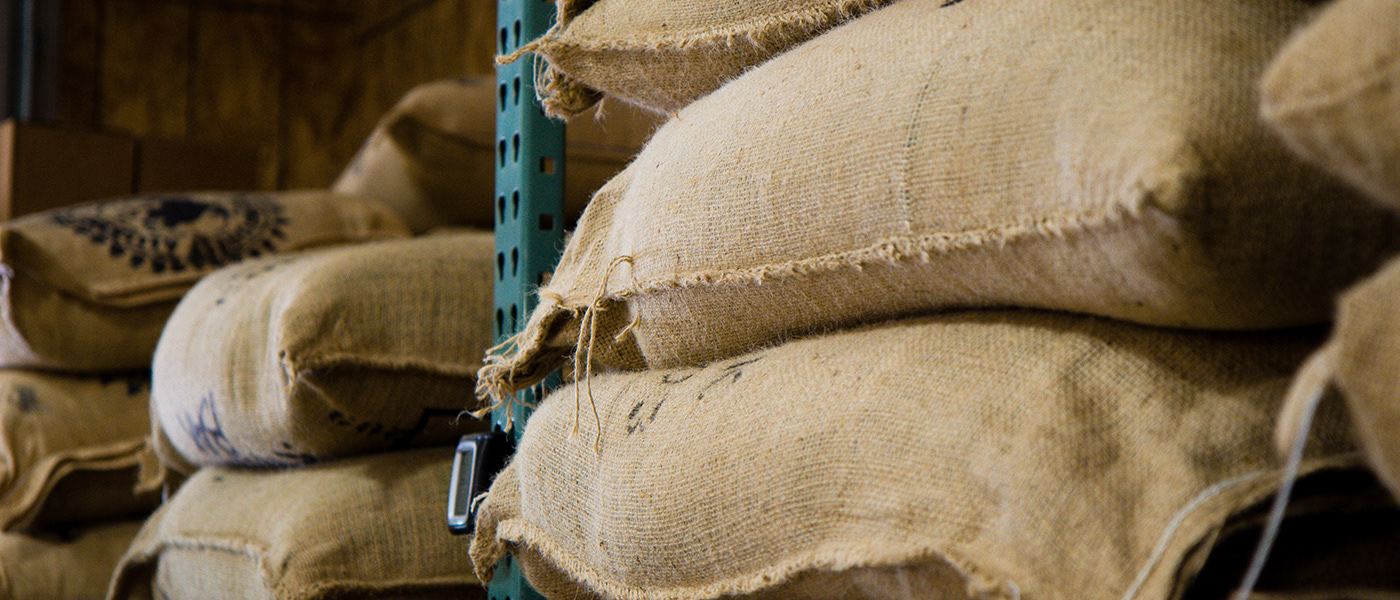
{"x":70,"y":448}
{"x":310,"y":356}
{"x":1102,"y":157}
{"x":1362,"y":360}
{"x":1333,"y":93}
{"x":1003,"y":453}
{"x":665,"y":55}
{"x":88,"y":288}
{"x":73,"y":565}
{"x":432,"y":158}
{"x":367,"y":527}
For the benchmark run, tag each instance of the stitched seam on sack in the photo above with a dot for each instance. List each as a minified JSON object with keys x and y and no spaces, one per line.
{"x":334,"y":360}
{"x":891,"y":251}
{"x":787,"y":570}
{"x":762,"y":32}
{"x":248,"y":548}
{"x":1385,"y":71}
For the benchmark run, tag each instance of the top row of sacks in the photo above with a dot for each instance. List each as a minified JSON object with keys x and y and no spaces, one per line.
{"x":1104,"y":157}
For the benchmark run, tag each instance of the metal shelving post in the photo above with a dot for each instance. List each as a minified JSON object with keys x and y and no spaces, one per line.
{"x":529,"y":215}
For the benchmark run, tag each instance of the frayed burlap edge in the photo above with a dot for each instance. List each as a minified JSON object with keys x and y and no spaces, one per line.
{"x":1197,"y":523}
{"x":526,"y":357}
{"x":563,"y":96}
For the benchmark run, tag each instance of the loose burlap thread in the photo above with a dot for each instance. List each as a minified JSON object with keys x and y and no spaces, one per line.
{"x":1018,"y":453}
{"x":1142,"y":187}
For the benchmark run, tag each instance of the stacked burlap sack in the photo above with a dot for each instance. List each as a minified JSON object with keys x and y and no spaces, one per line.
{"x":86,"y":292}
{"x":306,"y":404}
{"x":957,"y":299}
{"x":1333,"y":94}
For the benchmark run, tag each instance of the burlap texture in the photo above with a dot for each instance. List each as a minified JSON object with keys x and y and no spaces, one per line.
{"x":1333,"y":93}
{"x":304,"y":357}
{"x":665,"y":55}
{"x":358,"y":528}
{"x":1363,"y":361}
{"x":432,"y":158}
{"x":70,"y":448}
{"x":73,"y":565}
{"x":88,"y":288}
{"x":1122,"y":171}
{"x":1022,"y":453}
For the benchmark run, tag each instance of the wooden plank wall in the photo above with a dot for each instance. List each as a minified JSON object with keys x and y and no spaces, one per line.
{"x":303,"y":81}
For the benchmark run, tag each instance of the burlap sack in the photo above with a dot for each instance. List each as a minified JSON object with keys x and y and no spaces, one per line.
{"x":62,"y":566}
{"x":88,"y":288}
{"x":1102,"y":157}
{"x":310,"y":356}
{"x":1333,"y":93}
{"x":432,"y":158}
{"x":1008,"y":454}
{"x":369,"y":527}
{"x":665,"y":55}
{"x":1362,"y":360}
{"x":71,"y":447}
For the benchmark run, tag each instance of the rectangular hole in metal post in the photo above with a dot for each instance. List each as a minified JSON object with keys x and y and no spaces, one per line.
{"x":546,"y":222}
{"x":547,"y":165}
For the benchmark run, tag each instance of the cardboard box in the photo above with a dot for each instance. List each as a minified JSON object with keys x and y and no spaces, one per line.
{"x":44,"y":167}
{"x":164,"y":165}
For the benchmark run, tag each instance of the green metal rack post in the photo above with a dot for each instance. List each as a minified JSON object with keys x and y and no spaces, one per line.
{"x":529,"y":215}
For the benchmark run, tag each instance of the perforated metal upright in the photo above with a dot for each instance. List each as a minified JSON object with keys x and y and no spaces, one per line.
{"x":529,"y":214}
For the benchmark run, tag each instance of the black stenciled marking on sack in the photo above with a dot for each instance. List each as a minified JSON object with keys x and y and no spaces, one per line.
{"x":179,"y":233}
{"x":395,"y":437}
{"x":728,"y":375}
{"x":26,"y":399}
{"x":239,"y":281}
{"x":204,"y":429}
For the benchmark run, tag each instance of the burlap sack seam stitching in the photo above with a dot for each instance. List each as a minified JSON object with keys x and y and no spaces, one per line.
{"x":330,"y":589}
{"x":493,"y":378}
{"x":761,"y":32}
{"x":1320,"y":100}
{"x":332,"y":360}
{"x":191,"y":542}
{"x":520,"y":531}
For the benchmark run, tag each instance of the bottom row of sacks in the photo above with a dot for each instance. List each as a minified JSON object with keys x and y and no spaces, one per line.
{"x":992,"y":454}
{"x":988,"y":454}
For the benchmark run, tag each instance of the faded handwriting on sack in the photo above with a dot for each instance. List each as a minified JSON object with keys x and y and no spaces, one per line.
{"x":729,"y":374}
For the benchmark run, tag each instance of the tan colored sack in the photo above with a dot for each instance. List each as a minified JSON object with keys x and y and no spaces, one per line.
{"x":67,"y":566}
{"x":1333,"y":93}
{"x":365,"y":527}
{"x":317,"y":355}
{"x":1363,"y":361}
{"x":432,"y":158}
{"x":1102,"y":157}
{"x":665,"y":55}
{"x":1019,"y":453}
{"x":87,"y":288}
{"x":70,"y":448}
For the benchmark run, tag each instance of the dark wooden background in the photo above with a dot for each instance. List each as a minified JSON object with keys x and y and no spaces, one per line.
{"x":302,"y":81}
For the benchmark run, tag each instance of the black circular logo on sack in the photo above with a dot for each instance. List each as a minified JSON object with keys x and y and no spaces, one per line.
{"x":178,"y":233}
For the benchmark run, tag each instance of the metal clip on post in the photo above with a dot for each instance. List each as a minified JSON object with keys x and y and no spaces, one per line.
{"x":529,"y":238}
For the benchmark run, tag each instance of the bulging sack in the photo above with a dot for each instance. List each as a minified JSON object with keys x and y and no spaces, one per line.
{"x":665,"y":55}
{"x":88,"y":288}
{"x":1102,"y":158}
{"x":364,"y":527}
{"x":69,"y":565}
{"x":1333,"y":93}
{"x":432,"y":158}
{"x":994,"y":454}
{"x":316,"y":355}
{"x":71,"y":448}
